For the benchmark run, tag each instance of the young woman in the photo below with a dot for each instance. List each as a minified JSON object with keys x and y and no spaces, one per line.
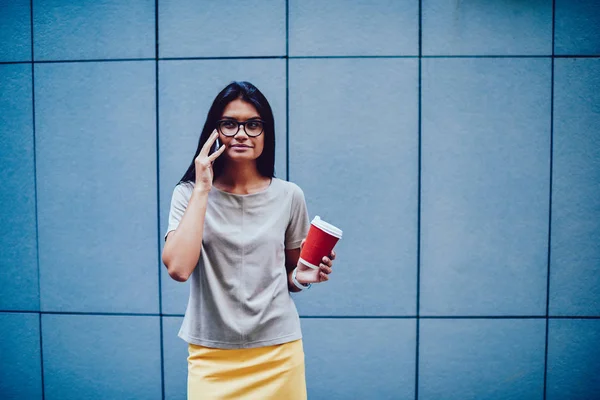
{"x":237,"y":231}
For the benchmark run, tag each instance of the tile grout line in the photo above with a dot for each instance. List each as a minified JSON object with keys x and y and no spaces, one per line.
{"x":473,"y":56}
{"x":550,"y":201}
{"x":37,"y":240}
{"x":433,"y":317}
{"x":287,"y":91}
{"x":418,"y":300}
{"x":159,"y":258}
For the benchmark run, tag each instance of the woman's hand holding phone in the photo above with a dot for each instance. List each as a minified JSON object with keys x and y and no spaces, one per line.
{"x":204,"y":161}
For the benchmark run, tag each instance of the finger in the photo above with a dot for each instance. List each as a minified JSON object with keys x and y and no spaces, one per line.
{"x":325,"y":269}
{"x":327,"y":261}
{"x":217,"y":153}
{"x":323,"y":277}
{"x":332,"y":256}
{"x":209,"y":142}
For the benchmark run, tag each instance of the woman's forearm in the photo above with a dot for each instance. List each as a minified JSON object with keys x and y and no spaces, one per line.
{"x":291,"y":286}
{"x":183,"y":246}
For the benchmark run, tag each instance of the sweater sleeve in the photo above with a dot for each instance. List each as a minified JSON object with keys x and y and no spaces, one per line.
{"x":179,"y":201}
{"x":299,"y":223}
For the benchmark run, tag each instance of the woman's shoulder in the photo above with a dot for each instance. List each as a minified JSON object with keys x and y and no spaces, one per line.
{"x":184,"y":189}
{"x":289,"y":188}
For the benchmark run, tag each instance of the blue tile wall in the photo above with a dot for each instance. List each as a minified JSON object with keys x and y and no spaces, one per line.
{"x":20,"y":359}
{"x":485,"y":185}
{"x":101,"y":357}
{"x":222,"y":28}
{"x":573,"y":359}
{"x":175,"y":359}
{"x":366,"y":28}
{"x":577,"y":27}
{"x":575,"y":257}
{"x":18,"y":245}
{"x":481,"y":359}
{"x":353,"y":150}
{"x":187,"y":90}
{"x":96,"y":173}
{"x":487,"y":28}
{"x":459,"y":156}
{"x":15,"y":30}
{"x":359,"y":359}
{"x":93,"y":29}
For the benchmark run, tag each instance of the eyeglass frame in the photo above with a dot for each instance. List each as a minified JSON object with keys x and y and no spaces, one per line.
{"x":241,"y":124}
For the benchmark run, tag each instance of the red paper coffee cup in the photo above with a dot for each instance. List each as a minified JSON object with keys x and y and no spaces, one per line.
{"x":320,"y":240}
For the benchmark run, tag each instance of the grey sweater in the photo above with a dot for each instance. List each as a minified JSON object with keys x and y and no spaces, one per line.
{"x":239,"y":295}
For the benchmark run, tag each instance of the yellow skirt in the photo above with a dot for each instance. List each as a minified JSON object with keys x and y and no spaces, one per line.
{"x":271,"y":372}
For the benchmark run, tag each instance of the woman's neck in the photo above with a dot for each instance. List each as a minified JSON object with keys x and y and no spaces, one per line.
{"x":240,"y":179}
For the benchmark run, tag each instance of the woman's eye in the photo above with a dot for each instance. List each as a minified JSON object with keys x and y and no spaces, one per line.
{"x":228,"y":124}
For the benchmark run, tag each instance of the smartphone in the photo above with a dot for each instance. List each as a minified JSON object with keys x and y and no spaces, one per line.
{"x":215,"y":146}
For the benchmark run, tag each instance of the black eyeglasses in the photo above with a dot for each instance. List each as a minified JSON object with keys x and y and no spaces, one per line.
{"x":231,"y":127}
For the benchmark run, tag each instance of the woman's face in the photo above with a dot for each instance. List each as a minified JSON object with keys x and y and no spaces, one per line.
{"x":242,"y":147}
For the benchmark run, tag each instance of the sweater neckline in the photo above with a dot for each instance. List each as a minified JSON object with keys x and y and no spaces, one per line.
{"x":236,"y":195}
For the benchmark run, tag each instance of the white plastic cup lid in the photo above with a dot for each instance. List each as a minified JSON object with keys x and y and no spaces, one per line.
{"x":324,"y":226}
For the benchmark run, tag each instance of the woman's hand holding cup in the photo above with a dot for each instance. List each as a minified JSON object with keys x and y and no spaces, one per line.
{"x":316,"y":252}
{"x":306,"y":275}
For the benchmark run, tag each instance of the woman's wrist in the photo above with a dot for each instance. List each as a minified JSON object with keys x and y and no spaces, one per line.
{"x":291,"y":287}
{"x":297,"y":284}
{"x":201,"y":190}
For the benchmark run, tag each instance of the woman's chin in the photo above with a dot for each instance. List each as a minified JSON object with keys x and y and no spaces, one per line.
{"x":241,"y":157}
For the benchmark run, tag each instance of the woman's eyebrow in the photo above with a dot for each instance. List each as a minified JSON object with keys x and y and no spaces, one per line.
{"x":235,"y":119}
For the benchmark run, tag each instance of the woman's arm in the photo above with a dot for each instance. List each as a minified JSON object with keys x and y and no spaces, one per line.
{"x":183,"y":245}
{"x":291,"y":260}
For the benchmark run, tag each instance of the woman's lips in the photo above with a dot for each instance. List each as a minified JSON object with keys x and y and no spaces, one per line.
{"x":240,"y":148}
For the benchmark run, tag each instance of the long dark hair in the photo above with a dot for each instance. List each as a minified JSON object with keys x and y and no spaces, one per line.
{"x":249,"y":93}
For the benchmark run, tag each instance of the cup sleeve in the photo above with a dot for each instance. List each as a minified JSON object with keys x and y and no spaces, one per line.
{"x":179,"y":202}
{"x":299,"y":222}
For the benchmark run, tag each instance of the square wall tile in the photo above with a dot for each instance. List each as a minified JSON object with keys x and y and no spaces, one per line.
{"x":214,"y":28}
{"x":186,"y":92}
{"x":175,"y":360}
{"x":354,"y":152}
{"x":101,"y":357}
{"x":18,"y":243}
{"x":573,"y":359}
{"x":359,"y":358}
{"x":21,"y":365}
{"x":15,"y":30}
{"x":575,"y":256}
{"x":453,"y":27}
{"x":485,"y":186}
{"x":93,"y":29}
{"x":577,"y":30}
{"x":493,"y":359}
{"x":96,"y":174}
{"x":362,"y":28}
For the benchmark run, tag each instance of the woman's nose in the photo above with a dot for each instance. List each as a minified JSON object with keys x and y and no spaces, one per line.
{"x":242,"y":135}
